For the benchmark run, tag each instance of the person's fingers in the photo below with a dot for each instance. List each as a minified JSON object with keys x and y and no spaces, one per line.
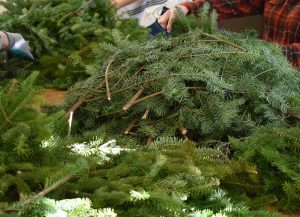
{"x":171,"y":20}
{"x":164,"y":19}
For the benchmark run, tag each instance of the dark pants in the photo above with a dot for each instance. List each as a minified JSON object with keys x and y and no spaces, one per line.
{"x":156,"y":28}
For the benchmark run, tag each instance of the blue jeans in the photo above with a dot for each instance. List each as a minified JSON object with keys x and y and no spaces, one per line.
{"x":156,"y":28}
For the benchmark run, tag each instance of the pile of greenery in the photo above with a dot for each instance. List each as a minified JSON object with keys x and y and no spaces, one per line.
{"x":170,"y":177}
{"x":62,"y":34}
{"x":203,"y":86}
{"x":236,"y":97}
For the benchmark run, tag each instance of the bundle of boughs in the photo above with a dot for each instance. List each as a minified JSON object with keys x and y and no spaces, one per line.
{"x":204,"y":85}
{"x":26,"y":165}
{"x":170,"y":178}
{"x":276,"y":153}
{"x":63,"y":33}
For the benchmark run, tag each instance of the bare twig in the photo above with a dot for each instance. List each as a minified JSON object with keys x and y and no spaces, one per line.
{"x":133,"y":99}
{"x":269,"y":70}
{"x":159,"y":93}
{"x":223,"y":41}
{"x":130,"y":127}
{"x":146,"y":97}
{"x":145,"y":116}
{"x":106,"y":79}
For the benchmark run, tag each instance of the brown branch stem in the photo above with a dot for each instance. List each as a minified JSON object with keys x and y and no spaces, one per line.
{"x":130,"y":127}
{"x":108,"y":94}
{"x":223,"y":41}
{"x":47,"y":190}
{"x":133,"y":99}
{"x":145,"y":115}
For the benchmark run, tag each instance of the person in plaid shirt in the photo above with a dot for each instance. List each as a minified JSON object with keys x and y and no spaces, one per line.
{"x":281,"y":19}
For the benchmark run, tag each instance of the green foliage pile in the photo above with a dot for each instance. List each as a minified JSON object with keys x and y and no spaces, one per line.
{"x":209,"y":85}
{"x":276,"y":152}
{"x":26,"y":166}
{"x":170,"y":177}
{"x":204,"y":85}
{"x":63,"y":34}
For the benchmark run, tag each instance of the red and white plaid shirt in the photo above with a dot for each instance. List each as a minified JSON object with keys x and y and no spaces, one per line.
{"x":281,"y":20}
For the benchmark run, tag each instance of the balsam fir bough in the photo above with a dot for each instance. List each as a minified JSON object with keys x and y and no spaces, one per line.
{"x":201,"y":85}
{"x":204,"y":85}
{"x":62,"y":35}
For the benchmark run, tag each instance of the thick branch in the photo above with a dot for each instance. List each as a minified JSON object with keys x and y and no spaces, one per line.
{"x":47,"y":190}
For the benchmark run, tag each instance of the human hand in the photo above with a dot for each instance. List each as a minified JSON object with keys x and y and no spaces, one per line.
{"x":167,"y":19}
{"x":19,"y":46}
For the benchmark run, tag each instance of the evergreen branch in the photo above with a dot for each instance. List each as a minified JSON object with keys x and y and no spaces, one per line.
{"x":4,"y":113}
{"x":21,"y":104}
{"x":223,"y":41}
{"x":74,"y":11}
{"x":216,"y":53}
{"x":134,"y":74}
{"x":111,"y":113}
{"x":273,"y":69}
{"x":286,"y":135}
{"x":200,"y":41}
{"x":12,"y":87}
{"x":144,"y":83}
{"x":159,"y":93}
{"x":82,"y":100}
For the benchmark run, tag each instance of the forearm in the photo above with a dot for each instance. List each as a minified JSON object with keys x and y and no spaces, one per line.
{"x":122,"y":3}
{"x":292,"y":52}
{"x":127,"y":2}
